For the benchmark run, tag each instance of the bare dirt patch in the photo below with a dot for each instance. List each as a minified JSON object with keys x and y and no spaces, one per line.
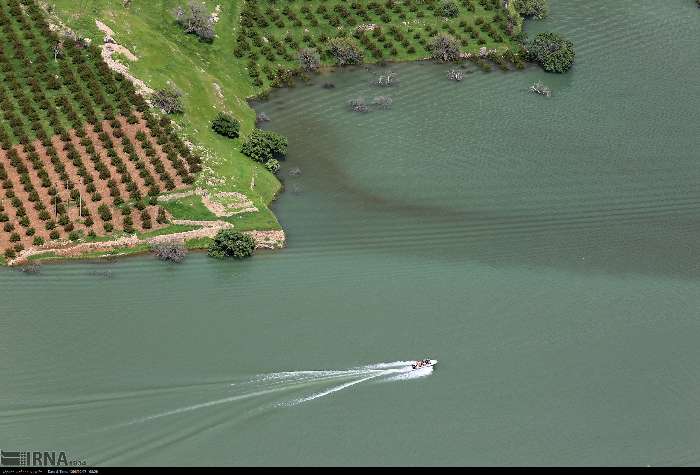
{"x":109,"y":48}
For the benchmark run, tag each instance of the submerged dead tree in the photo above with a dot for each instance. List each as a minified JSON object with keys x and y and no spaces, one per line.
{"x":541,"y":89}
{"x":383,"y":102}
{"x":385,"y":80}
{"x":455,"y":75}
{"x":358,"y":105}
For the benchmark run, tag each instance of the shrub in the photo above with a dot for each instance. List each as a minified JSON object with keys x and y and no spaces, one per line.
{"x":532,"y":8}
{"x":554,"y":52}
{"x":229,"y":243}
{"x":444,"y":47}
{"x":162,"y":218}
{"x":168,"y":100}
{"x":172,"y":251}
{"x":226,"y":125}
{"x":448,"y":8}
{"x":38,"y":241}
{"x":309,"y":59}
{"x":196,"y":19}
{"x":273,"y":165}
{"x":345,"y":51}
{"x":263,"y":145}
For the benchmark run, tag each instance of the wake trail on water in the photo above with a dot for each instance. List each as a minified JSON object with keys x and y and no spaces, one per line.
{"x":306,"y":386}
{"x":396,"y":371}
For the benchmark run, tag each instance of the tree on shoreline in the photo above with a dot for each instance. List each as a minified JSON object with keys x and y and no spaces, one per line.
{"x":309,"y":59}
{"x":554,"y":52}
{"x":444,"y":48}
{"x":229,"y":243}
{"x":532,"y":8}
{"x":345,"y":51}
{"x":172,"y":251}
{"x":264,"y":145}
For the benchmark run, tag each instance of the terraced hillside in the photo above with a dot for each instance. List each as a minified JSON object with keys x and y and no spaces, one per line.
{"x":81,"y":156}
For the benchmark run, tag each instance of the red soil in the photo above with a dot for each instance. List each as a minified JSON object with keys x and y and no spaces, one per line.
{"x":73,"y":208}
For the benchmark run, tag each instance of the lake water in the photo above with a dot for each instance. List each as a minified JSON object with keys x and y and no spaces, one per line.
{"x":545,"y":250}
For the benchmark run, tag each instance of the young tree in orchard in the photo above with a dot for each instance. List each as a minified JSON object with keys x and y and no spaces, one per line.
{"x":448,"y":8}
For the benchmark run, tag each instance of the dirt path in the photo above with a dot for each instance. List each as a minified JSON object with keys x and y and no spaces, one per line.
{"x":109,"y":48}
{"x":222,"y":204}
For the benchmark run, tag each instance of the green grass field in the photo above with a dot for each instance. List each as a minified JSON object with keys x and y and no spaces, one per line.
{"x":209,"y":76}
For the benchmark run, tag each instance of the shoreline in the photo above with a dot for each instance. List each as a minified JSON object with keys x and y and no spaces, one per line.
{"x":134,"y":245}
{"x":85,"y":250}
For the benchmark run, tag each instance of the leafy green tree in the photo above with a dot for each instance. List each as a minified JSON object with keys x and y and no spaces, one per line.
{"x":226,"y":125}
{"x":264,"y":145}
{"x":229,"y":243}
{"x":532,"y":8}
{"x":554,"y":52}
{"x":273,"y":165}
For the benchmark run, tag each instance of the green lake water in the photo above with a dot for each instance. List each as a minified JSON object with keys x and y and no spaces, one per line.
{"x":545,"y":250}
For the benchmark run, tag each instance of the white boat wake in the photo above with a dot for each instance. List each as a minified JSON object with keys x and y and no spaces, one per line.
{"x":305,"y":386}
{"x":394,"y":371}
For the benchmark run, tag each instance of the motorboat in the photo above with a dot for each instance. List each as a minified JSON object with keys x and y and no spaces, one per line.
{"x":423,"y":364}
